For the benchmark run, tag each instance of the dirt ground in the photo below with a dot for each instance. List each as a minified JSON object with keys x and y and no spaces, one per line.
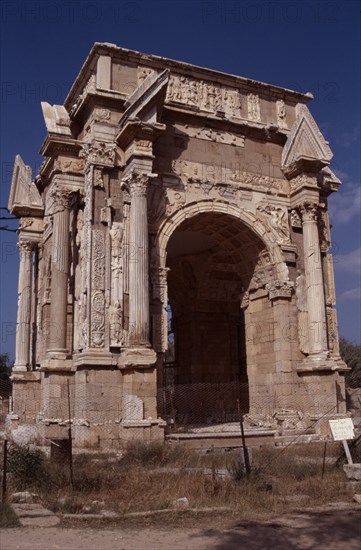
{"x":330,"y":529}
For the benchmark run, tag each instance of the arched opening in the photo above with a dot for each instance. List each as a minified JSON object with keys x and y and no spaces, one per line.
{"x":211,"y":259}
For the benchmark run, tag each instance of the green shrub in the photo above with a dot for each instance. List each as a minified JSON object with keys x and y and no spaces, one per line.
{"x":27,"y":467}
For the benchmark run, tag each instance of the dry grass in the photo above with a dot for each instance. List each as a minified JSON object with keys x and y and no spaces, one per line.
{"x":152,"y":477}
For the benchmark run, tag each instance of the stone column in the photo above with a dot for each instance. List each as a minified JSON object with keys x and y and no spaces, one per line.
{"x":60,"y":271}
{"x":314,"y":281}
{"x":138,"y":263}
{"x":24,"y":307}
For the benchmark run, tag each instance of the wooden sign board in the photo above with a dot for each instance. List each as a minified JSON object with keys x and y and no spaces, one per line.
{"x":342,"y":429}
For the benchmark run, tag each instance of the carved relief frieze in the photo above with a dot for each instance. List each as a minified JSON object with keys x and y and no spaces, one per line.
{"x":101,"y":115}
{"x":275,"y":218}
{"x":205,"y":96}
{"x":98,"y":289}
{"x":69,"y":166}
{"x":279,"y":289}
{"x":210,"y":134}
{"x":303,"y":180}
{"x":253,"y":108}
{"x":208,"y":174}
{"x":98,"y":152}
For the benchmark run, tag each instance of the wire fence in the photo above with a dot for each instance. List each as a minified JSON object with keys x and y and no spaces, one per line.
{"x":217,"y":407}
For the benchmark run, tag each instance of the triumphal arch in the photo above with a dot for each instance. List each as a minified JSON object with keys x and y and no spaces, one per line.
{"x":176,"y":207}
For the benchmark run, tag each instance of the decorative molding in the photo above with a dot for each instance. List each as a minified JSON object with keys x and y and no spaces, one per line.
{"x":210,"y":134}
{"x":279,"y":289}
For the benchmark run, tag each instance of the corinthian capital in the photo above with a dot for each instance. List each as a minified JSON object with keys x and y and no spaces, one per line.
{"x":309,"y":211}
{"x":25,"y":249}
{"x":136,"y":183}
{"x":61,"y":199}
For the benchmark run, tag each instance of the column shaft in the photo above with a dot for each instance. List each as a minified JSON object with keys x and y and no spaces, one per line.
{"x":60,"y":274}
{"x":138,"y":264}
{"x":24,"y":307}
{"x":314,"y":281}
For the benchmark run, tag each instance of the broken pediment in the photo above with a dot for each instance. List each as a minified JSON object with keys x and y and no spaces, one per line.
{"x":24,"y":199}
{"x":56,"y":118}
{"x":142,"y":102}
{"x":305,"y":149}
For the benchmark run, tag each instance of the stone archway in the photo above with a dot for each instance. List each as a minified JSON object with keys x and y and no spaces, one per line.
{"x":211,"y":259}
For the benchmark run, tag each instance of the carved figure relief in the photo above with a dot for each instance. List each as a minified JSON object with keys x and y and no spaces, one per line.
{"x":98,"y":178}
{"x":281,"y":113}
{"x":116,"y":324}
{"x":253,"y":106}
{"x":207,"y":96}
{"x":296,"y":219}
{"x":276,"y":220}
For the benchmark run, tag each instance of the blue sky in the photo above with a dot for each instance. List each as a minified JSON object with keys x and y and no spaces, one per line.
{"x":304,"y":45}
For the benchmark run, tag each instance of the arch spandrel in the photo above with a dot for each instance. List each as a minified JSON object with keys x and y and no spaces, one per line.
{"x":169,"y":225}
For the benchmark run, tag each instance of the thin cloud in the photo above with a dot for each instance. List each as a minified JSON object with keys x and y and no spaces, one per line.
{"x":350,"y":262}
{"x":353,"y":294}
{"x":346,"y":204}
{"x":345,"y":139}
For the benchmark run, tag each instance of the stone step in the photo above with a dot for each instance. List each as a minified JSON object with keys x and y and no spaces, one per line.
{"x":280,"y":440}
{"x":35,"y":515}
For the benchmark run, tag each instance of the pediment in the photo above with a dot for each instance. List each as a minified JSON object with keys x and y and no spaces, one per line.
{"x":141,"y":103}
{"x":24,"y":199}
{"x":56,"y":118}
{"x":305,"y":144}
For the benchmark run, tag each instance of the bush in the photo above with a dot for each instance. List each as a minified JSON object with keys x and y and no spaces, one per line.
{"x":8,"y":518}
{"x":27,"y":466}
